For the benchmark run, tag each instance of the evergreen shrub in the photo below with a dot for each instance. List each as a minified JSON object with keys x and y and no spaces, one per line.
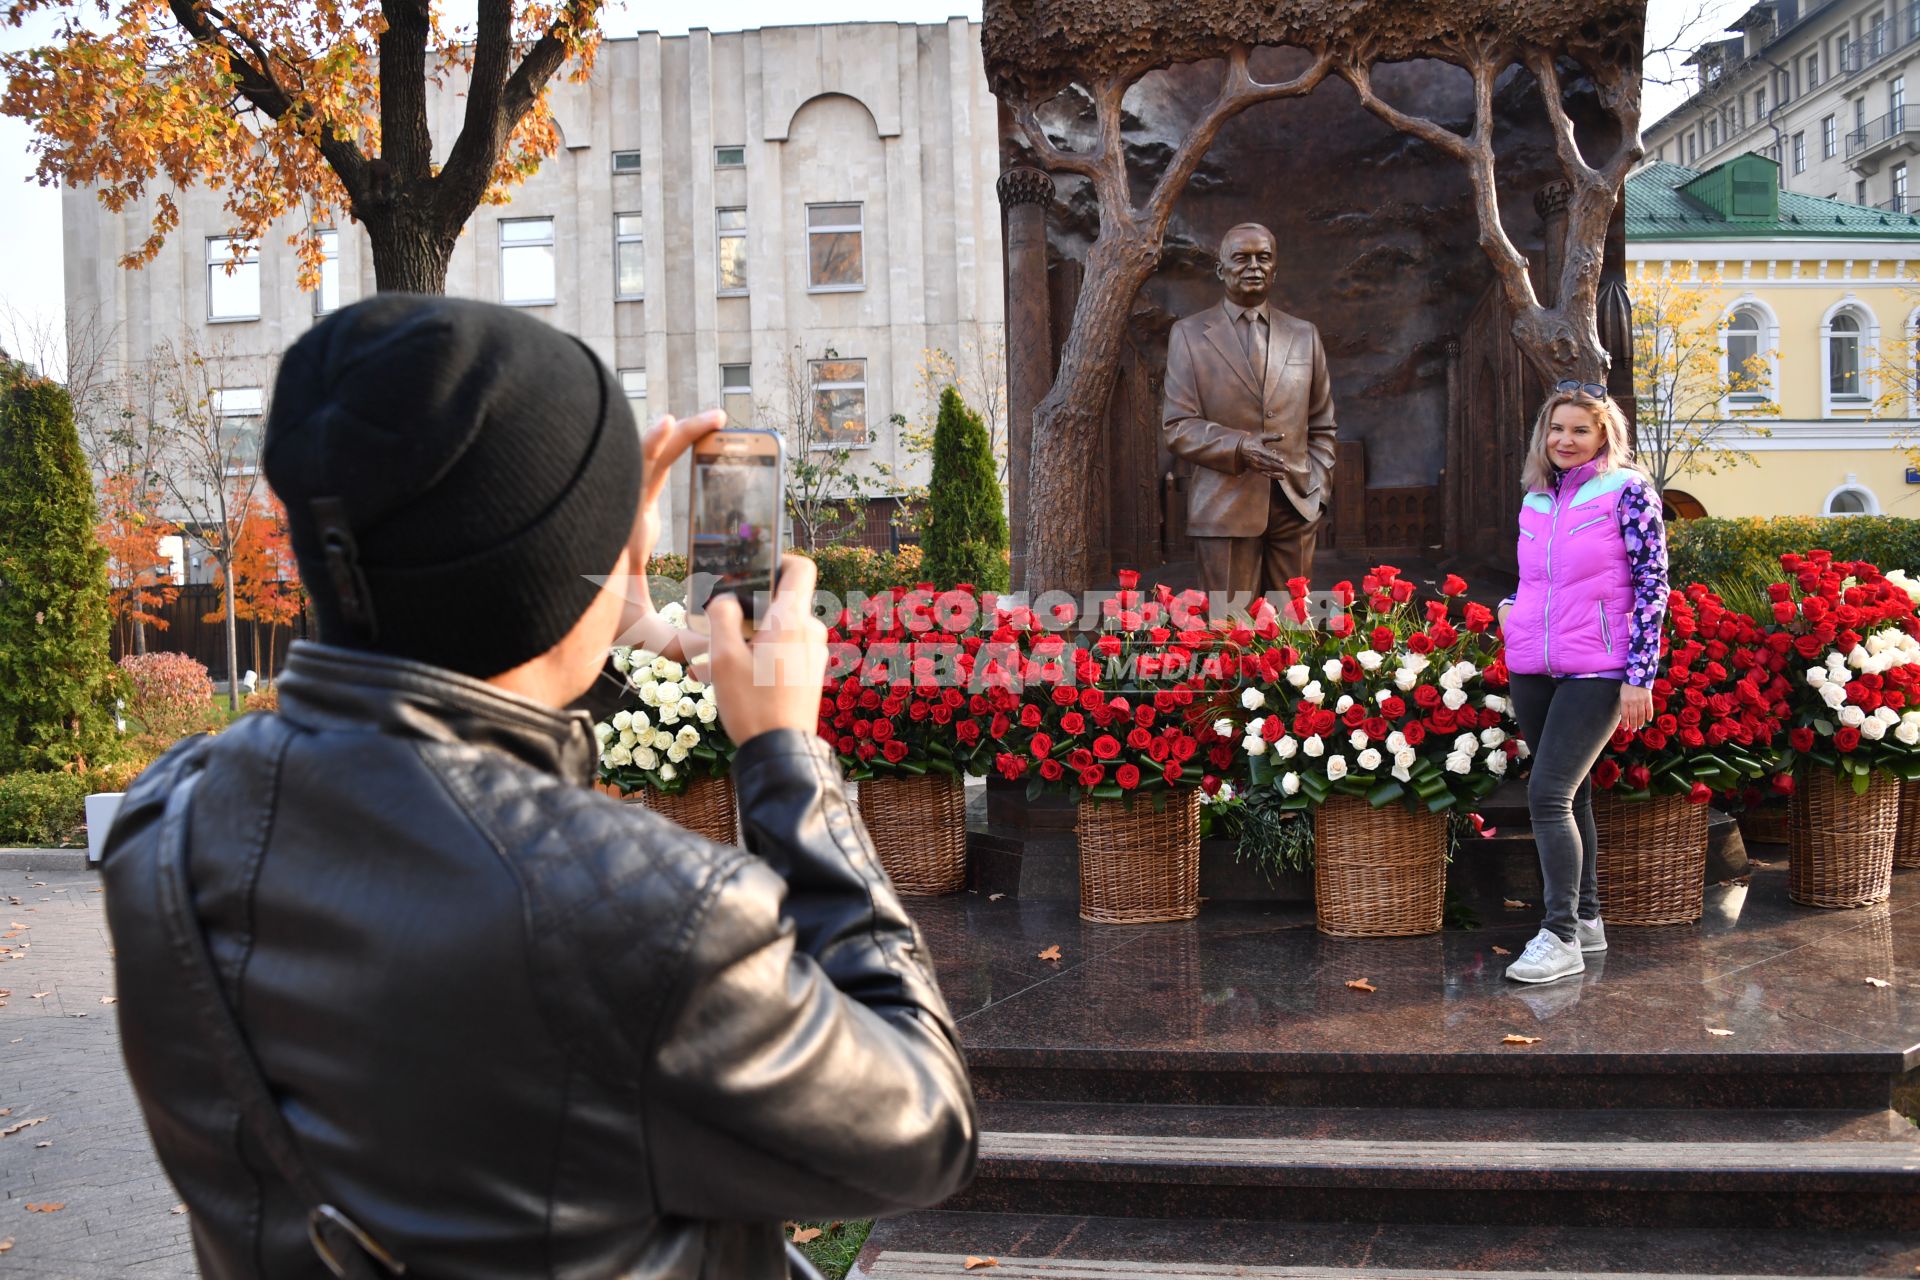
{"x":966,"y":530}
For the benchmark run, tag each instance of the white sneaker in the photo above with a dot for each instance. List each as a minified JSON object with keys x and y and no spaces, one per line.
{"x":1547,"y":959}
{"x":1590,"y":934}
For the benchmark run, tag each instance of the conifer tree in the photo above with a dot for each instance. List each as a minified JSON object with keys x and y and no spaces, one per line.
{"x":57,"y":678}
{"x":966,"y":538}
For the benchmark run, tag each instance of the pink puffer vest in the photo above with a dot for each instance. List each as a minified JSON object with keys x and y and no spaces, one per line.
{"x":1570,"y":615}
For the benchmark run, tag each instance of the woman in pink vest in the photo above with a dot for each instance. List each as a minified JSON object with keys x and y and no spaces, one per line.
{"x":1583,"y":644}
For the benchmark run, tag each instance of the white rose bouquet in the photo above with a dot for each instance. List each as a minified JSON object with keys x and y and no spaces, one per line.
{"x":673,"y":737}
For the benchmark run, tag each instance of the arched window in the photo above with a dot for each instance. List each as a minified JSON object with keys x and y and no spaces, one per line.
{"x":1848,"y":339}
{"x":1678,"y":504}
{"x":1746,"y":370}
{"x":1843,"y":357}
{"x":1851,"y":499}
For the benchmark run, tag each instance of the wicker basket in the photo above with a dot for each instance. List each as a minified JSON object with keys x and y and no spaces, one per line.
{"x":706,"y":808}
{"x":1378,"y":873}
{"x":1653,"y":859}
{"x":1842,"y":848}
{"x":1139,"y":864}
{"x":919,"y":826}
{"x":1766,"y":824}
{"x":1906,"y":840}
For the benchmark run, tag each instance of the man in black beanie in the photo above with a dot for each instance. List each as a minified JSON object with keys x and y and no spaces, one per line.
{"x":397,"y":989}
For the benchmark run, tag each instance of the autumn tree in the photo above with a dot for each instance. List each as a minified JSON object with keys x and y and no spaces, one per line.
{"x":1697,"y":394}
{"x":266,"y":581}
{"x":313,"y":109}
{"x":139,"y":576}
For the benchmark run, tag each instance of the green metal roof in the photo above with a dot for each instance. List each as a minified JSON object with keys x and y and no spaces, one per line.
{"x":1673,"y":202}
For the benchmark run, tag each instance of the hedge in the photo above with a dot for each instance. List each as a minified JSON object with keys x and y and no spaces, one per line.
{"x":39,"y":809}
{"x":1731,"y":552}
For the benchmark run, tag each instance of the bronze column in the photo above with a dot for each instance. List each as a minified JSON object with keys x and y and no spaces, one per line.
{"x":1025,"y":194}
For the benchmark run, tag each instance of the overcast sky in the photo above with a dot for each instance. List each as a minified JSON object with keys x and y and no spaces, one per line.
{"x":30,"y":287}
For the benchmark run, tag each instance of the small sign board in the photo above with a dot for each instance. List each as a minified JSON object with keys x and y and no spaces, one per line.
{"x":1913,"y":475}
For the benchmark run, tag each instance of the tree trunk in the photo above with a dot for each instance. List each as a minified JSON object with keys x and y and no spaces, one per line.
{"x":410,"y":253}
{"x":139,"y":636}
{"x":1559,"y":344}
{"x":233,"y":641}
{"x":1067,"y":423}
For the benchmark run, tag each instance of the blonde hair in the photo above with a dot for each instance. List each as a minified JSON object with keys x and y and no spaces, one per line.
{"x":1616,"y":448}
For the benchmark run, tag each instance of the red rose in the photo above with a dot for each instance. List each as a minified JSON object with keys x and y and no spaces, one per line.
{"x":1426,"y":697}
{"x":1092,"y":700}
{"x":1341,"y":625}
{"x":1128,"y":776}
{"x":1106,"y":746}
{"x":1700,"y":793}
{"x":1783,"y":783}
{"x":1653,"y":739}
{"x":1183,"y":747}
{"x":1381,"y":639}
{"x":1210,"y":784}
{"x":1093,"y":775}
{"x":1129,"y":579}
{"x":1443,"y":721}
{"x":1079,"y":758}
{"x":1638,"y":776}
{"x":1073,"y":723}
{"x":1416,"y":733}
{"x":1418,"y":642}
{"x":1138,"y":738}
{"x":1065,"y":696}
{"x":1846,"y":739}
{"x":1172,"y":773}
{"x":895,"y":751}
{"x":1800,"y":739}
{"x":1692,"y":738}
{"x":1342,"y":594}
{"x":882,"y":730}
{"x":1376,"y":728}
{"x":1605,"y":775}
{"x":1402,"y":591}
{"x":1144,"y":716}
{"x":1478,"y":616}
{"x":1296,"y":587}
{"x":1808,"y":646}
{"x":1393,"y":708}
{"x":1030,"y":716}
{"x":1041,"y":746}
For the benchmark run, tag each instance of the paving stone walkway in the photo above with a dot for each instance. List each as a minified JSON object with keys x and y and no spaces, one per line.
{"x":60,"y":1058}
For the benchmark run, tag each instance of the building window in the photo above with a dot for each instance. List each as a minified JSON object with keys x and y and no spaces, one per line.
{"x":1860,"y":117}
{"x":1713,"y":134}
{"x":1900,"y":188}
{"x":731,"y":228}
{"x":237,"y":412}
{"x":1759,"y":104}
{"x":839,"y":403}
{"x":736,"y":393}
{"x":1829,"y":138}
{"x":327,"y":297}
{"x":1813,"y":70}
{"x":1851,"y":499}
{"x":834,"y":259}
{"x":233,"y":290}
{"x":1799,"y":153}
{"x":1896,"y":104}
{"x":633,"y":382}
{"x":1746,"y":372}
{"x":629,"y":269}
{"x":729,"y":157}
{"x":626,"y":162}
{"x":1690,"y":150}
{"x":1860,"y":191}
{"x":526,"y":262}
{"x":1843,"y":359}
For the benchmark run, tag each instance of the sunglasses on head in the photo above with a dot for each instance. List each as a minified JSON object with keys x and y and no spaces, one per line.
{"x":1593,"y":389}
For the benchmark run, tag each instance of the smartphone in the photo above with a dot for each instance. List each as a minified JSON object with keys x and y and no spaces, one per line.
{"x":734,"y":539}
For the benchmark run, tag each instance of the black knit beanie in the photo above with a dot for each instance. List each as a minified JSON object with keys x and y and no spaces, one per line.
{"x":452,"y":471}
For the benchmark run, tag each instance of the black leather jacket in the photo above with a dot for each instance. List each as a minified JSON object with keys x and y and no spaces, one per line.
{"x":518,"y":1028}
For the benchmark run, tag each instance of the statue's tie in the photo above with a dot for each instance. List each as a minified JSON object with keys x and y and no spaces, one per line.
{"x":1256,"y":347}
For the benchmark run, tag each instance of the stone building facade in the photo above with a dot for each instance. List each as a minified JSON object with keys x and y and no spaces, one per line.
{"x":1821,"y":88}
{"x":722,"y":205}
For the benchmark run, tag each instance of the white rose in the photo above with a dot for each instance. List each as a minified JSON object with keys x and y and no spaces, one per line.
{"x":1466,"y":744}
{"x":640,"y":722}
{"x":1465,"y":670}
{"x":1331,"y":668}
{"x":676,"y":753}
{"x":1449,"y":681}
{"x":622,"y":660}
{"x":1225,"y":794}
{"x":1887,"y":716}
{"x":1414,"y":662}
{"x":1369,"y":660}
{"x":1496,"y":762}
{"x":667,"y":691}
{"x":1873,"y":730}
{"x":706,"y":712}
{"x":1336,"y":768}
{"x":1454,"y":698}
{"x":1397,"y":742}
{"x":1369,"y":759}
{"x":1251,"y":699}
{"x":674,"y":614}
{"x":670,"y":714}
{"x":603,"y":734}
{"x":660,"y":666}
{"x":648,"y":696}
{"x":1494,"y":702}
{"x":1858,"y":658}
{"x":619,"y":756}
{"x":668,"y":773}
{"x":687,"y":708}
{"x":1402,"y":774}
{"x":1405,"y":758}
{"x":1908,"y":732}
{"x":1223,"y":727}
{"x":1290,"y":784}
{"x":661,"y":740}
{"x":1492,"y":737}
{"x":690,"y":685}
{"x":1382,"y":696}
{"x":1340,"y":707}
{"x":1525,"y":750}
{"x":1298,"y":675}
{"x":1833,"y":695}
{"x":628,"y":737}
{"x":1852,"y":716}
{"x":1404,"y":680}
{"x":688,"y":737}
{"x":1357,"y":739}
{"x":1287,"y":747}
{"x":1314,"y":747}
{"x":646,"y":758}
{"x":1816,"y":676}
{"x":623,"y":719}
{"x":1313,"y":693}
{"x":1459,"y":764}
{"x":1253,"y":744}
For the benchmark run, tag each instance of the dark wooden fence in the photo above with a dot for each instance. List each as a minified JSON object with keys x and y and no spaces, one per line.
{"x":188,"y":632}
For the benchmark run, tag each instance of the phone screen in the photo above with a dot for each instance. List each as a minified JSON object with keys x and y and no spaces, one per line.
{"x":736,"y":504}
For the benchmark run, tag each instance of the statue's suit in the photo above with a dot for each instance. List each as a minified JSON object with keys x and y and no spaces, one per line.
{"x":1251,"y":531}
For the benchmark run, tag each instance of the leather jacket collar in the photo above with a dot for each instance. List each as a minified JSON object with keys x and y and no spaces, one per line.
{"x":329,"y":687}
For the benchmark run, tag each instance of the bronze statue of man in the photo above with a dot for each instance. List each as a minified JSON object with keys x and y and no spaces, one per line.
{"x":1249,"y":403}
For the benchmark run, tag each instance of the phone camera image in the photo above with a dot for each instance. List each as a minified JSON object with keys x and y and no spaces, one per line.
{"x":735,"y":544}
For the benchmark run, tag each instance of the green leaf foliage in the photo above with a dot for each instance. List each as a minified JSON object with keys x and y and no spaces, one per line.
{"x":41,"y":809}
{"x":57,"y":679}
{"x":1746,"y":550}
{"x":966,"y":537}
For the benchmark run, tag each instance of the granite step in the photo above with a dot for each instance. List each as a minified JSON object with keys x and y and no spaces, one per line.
{"x":1853,"y":1079}
{"x":1739,"y":1169}
{"x":1027,"y":1246}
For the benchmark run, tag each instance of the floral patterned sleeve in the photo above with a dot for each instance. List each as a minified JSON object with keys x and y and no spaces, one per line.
{"x":1646,"y":539}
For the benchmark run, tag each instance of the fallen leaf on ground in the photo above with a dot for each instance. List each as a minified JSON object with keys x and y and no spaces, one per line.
{"x":1513,"y":1039}
{"x":179,"y":1208}
{"x":51,"y":1206}
{"x":1722,"y":884}
{"x":96,"y":890}
{"x":1361,"y":984}
{"x":974,"y":1264}
{"x":14,"y":899}
{"x":6,"y":1111}
{"x":1877,"y":982}
{"x":18,"y":1125}
{"x":1514,"y":904}
{"x":995,"y":897}
{"x":15,"y":924}
{"x":76,"y":1015}
{"x":1755,"y":862}
{"x":11,"y":933}
{"x":1051,"y":953}
{"x":1718,"y":1031}
{"x":803,"y":1234}
{"x":6,"y":1244}
{"x":109,"y":999}
{"x":1501,"y":951}
{"x":47,"y":1143}
{"x":41,"y":995}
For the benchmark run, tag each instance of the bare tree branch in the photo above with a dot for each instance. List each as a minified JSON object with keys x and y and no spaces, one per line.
{"x":1051,"y":157}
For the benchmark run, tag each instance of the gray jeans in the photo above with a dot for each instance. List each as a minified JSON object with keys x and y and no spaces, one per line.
{"x":1566,"y":724}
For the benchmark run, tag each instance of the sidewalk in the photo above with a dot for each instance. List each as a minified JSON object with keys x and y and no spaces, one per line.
{"x":60,"y":1058}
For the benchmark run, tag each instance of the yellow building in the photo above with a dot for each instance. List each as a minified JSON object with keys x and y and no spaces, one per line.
{"x":1826,"y":295}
